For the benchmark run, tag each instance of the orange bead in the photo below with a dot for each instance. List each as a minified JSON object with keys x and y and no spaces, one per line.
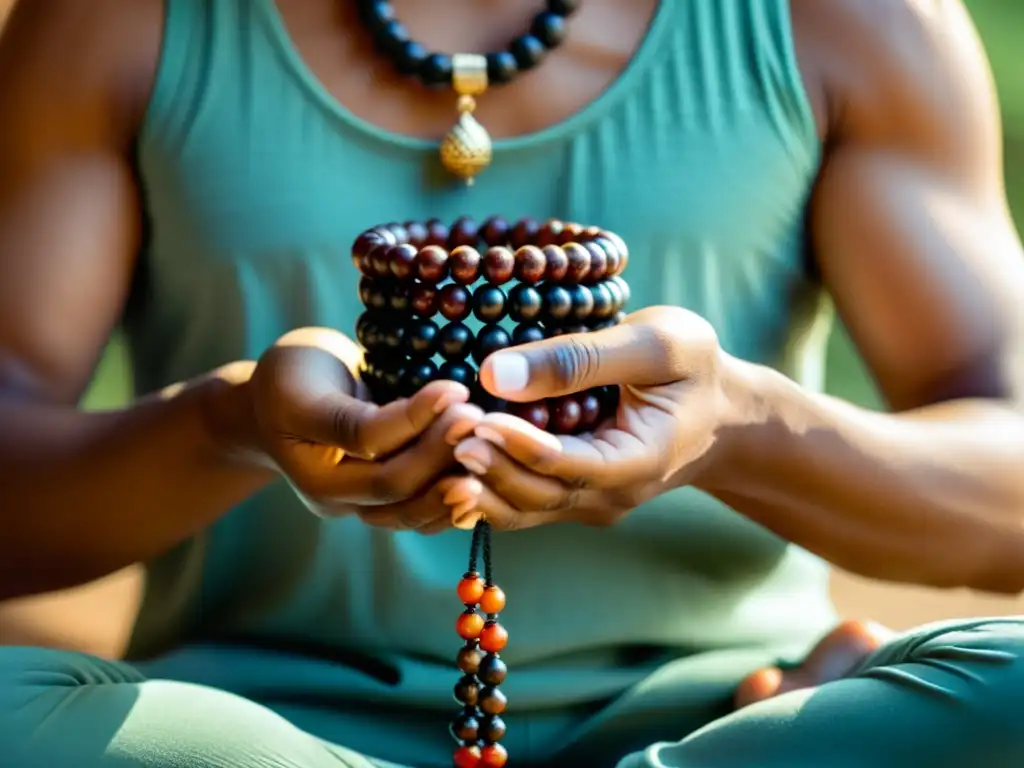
{"x":493,"y":756}
{"x":467,"y":757}
{"x":493,"y":637}
{"x":492,"y":600}
{"x":471,"y":589}
{"x":469,"y":625}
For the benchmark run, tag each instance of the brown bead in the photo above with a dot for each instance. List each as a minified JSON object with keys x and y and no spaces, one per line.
{"x":598,"y":262}
{"x":467,"y":757}
{"x":464,"y":231}
{"x":495,"y":231}
{"x":550,"y":232}
{"x":557,"y":263}
{"x":499,"y":265}
{"x":471,"y":588}
{"x":464,"y":263}
{"x":491,"y":700}
{"x":589,"y":233}
{"x":524,"y":233}
{"x":536,"y":414}
{"x":417,"y":232}
{"x":492,"y":600}
{"x":432,"y":264}
{"x":565,"y":415}
{"x":612,"y":256}
{"x":465,"y":727}
{"x":621,"y":247}
{"x":380,"y":260}
{"x":572,"y":233}
{"x":402,"y":261}
{"x":362,"y":247}
{"x":493,"y":638}
{"x":469,"y":625}
{"x":493,"y":756}
{"x":399,"y":231}
{"x":469,"y":659}
{"x":437,"y":233}
{"x":579,"y":262}
{"x":530,"y":264}
{"x":387,"y":234}
{"x":423,"y":299}
{"x":590,"y":411}
{"x":454,"y":302}
{"x":492,"y":729}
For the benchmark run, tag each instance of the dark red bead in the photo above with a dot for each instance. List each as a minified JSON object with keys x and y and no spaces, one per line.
{"x":590,"y":411}
{"x":432,"y":264}
{"x":557,"y":263}
{"x":492,"y":729}
{"x":402,"y":261}
{"x":620,"y":246}
{"x":423,"y":299}
{"x":467,"y":757}
{"x":469,"y":659}
{"x":361,"y":248}
{"x":550,"y":232}
{"x":464,"y":231}
{"x":465,"y":726}
{"x":536,"y":414}
{"x":598,"y":262}
{"x":579,"y":262}
{"x":454,"y":302}
{"x":417,"y":233}
{"x":399,"y":300}
{"x":612,"y":258}
{"x":467,"y":690}
{"x":524,"y":233}
{"x":565,"y":415}
{"x":399,"y":231}
{"x":365,"y":291}
{"x":571,"y":233}
{"x":437,"y":233}
{"x":499,"y":265}
{"x":491,"y":700}
{"x":387,"y":234}
{"x":380,"y":260}
{"x":464,"y":263}
{"x":495,"y":231}
{"x":530,"y":264}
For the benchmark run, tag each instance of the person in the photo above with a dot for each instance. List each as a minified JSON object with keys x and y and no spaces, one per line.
{"x":195,"y":172}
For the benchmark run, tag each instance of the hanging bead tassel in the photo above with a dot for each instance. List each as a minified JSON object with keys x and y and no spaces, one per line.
{"x":478,"y":728}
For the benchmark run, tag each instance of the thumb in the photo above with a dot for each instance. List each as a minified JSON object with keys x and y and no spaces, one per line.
{"x":646,"y":350}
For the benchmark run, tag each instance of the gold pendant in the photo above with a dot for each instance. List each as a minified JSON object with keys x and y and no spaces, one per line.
{"x":467,"y":148}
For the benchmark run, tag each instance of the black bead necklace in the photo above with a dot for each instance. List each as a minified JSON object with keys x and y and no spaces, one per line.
{"x":467,"y":149}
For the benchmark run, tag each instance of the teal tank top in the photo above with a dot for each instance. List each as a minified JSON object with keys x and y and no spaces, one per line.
{"x":701,"y":155}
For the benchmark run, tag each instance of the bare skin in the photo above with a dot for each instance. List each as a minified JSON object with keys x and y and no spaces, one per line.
{"x":911,"y":187}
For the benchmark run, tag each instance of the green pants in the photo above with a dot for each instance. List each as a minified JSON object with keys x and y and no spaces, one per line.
{"x":949,"y":694}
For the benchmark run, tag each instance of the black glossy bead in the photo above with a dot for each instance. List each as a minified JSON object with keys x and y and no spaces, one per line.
{"x":460,"y":373}
{"x":391,"y":376}
{"x":365,"y":327}
{"x":492,"y":670}
{"x":525,"y":303}
{"x":549,"y":28}
{"x":421,"y":338}
{"x":465,"y":726}
{"x":501,"y":67}
{"x":378,"y":296}
{"x":365,"y":289}
{"x":485,"y":400}
{"x":391,"y":37}
{"x":526,"y":333}
{"x":400,"y":298}
{"x":624,"y":288}
{"x":392,"y":335}
{"x":455,"y":342}
{"x":436,"y":70}
{"x":491,"y":729}
{"x":489,"y":303}
{"x":467,"y":690}
{"x":582,"y":302}
{"x":410,"y":57}
{"x":528,"y":52}
{"x":491,"y":700}
{"x":375,"y":13}
{"x":470,"y":656}
{"x":416,"y":377}
{"x":609,"y":397}
{"x":557,"y":304}
{"x":563,"y":7}
{"x":603,"y":296}
{"x":454,"y":302}
{"x":489,"y":340}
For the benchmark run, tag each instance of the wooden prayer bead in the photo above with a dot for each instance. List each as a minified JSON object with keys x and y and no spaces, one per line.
{"x":464,"y":264}
{"x":499,"y":265}
{"x":603,"y":300}
{"x":490,"y":339}
{"x":465,"y":726}
{"x":469,"y":659}
{"x":492,"y":600}
{"x":530,"y":264}
{"x":417,"y":233}
{"x":491,"y":729}
{"x":402,"y":261}
{"x":590,"y":411}
{"x":493,"y":637}
{"x":526,"y":333}
{"x":454,"y":302}
{"x":463,"y":232}
{"x":557,"y":263}
{"x":417,"y":376}
{"x":423,"y":299}
{"x":432,"y":264}
{"x":598,"y":262}
{"x":437,"y":233}
{"x":399,"y":298}
{"x":471,"y":588}
{"x":469,"y":625}
{"x":491,"y":670}
{"x":565,"y":415}
{"x":524,"y":232}
{"x":571,"y":233}
{"x":380,"y":260}
{"x":579,"y":262}
{"x":399,"y":231}
{"x":495,"y":231}
{"x":582,"y":302}
{"x":493,"y":756}
{"x":525,"y":303}
{"x":536,"y":414}
{"x":467,"y":690}
{"x":557,"y":304}
{"x":421,"y":338}
{"x":467,"y":757}
{"x":549,"y":233}
{"x":489,"y":303}
{"x":455,"y":342}
{"x":460,"y":373}
{"x":491,"y":700}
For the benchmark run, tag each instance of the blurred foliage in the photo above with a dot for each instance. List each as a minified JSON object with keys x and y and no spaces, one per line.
{"x":1001,"y":25}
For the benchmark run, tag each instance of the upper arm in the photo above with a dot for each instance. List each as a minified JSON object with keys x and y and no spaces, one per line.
{"x":69,"y":210}
{"x":909,"y":219}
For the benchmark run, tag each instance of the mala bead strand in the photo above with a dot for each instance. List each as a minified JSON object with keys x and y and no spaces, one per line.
{"x":426,"y":285}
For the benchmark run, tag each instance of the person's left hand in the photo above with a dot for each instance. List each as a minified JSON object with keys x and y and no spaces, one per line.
{"x":667,"y":362}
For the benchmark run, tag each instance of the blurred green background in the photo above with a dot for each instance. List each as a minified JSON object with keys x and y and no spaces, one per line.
{"x":1001,"y":24}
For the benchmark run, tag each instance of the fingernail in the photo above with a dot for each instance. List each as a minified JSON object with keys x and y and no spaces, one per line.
{"x":486,"y":433}
{"x":465,"y":516}
{"x":511,"y":372}
{"x":462,"y":490}
{"x":473,"y":464}
{"x":457,"y":432}
{"x":442,"y":403}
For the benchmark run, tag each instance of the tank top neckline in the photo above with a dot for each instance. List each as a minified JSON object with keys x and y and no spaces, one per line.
{"x":617,"y":89}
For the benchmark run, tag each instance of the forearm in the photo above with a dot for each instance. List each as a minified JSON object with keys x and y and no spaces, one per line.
{"x":932,"y":496}
{"x":83,"y":494}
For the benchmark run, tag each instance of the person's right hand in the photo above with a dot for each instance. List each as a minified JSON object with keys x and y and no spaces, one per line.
{"x":343,"y":454}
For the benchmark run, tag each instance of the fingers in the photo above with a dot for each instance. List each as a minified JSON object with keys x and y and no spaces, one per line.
{"x":484,"y":502}
{"x":426,"y":513}
{"x":513,"y":482}
{"x":658,"y":346}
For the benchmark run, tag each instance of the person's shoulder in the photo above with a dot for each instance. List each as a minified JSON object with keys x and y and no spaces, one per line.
{"x":876,"y":59}
{"x":99,"y":55}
